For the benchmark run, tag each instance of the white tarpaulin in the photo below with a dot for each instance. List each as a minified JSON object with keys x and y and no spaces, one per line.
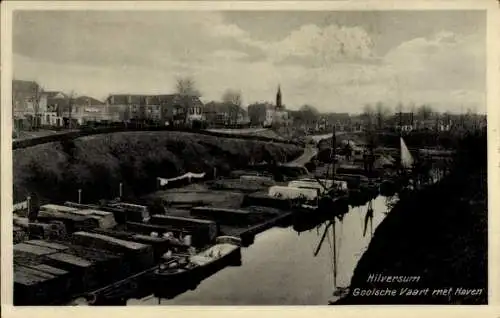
{"x":293,"y":193}
{"x":308,"y":183}
{"x":188,"y":175}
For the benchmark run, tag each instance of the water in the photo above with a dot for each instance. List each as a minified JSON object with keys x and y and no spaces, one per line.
{"x":280,"y":268}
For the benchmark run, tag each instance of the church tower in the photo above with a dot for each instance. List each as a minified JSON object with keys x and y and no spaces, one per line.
{"x":278,"y":99}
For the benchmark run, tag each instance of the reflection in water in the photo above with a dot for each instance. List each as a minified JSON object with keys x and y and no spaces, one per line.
{"x":369,"y":219}
{"x":281,"y":268}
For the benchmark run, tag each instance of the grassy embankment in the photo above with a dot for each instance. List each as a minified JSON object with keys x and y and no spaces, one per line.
{"x":438,"y":233}
{"x":97,"y":164}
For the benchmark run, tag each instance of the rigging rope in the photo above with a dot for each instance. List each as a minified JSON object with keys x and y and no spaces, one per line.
{"x":332,"y":262}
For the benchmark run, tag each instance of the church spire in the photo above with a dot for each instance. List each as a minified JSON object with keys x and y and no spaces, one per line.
{"x":278,"y":98}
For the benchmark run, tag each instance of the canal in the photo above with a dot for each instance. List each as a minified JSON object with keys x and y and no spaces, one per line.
{"x":280,"y":267}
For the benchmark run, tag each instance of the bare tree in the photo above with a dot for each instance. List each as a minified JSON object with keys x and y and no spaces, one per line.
{"x":71,"y":97}
{"x":37,"y":96}
{"x":232,"y":101}
{"x":186,"y":86}
{"x":308,"y":114}
{"x":382,"y":113}
{"x":425,"y":112}
{"x":368,"y":115}
{"x":232,"y":97}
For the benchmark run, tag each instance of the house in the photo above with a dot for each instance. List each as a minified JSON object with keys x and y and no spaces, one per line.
{"x":261,"y":114}
{"x":52,"y":106}
{"x":266,"y":114}
{"x":171,"y":108}
{"x":55,"y":101}
{"x":402,"y":122}
{"x":225,"y":114}
{"x":38,"y":107}
{"x":181,"y":109}
{"x":87,"y":109}
{"x":25,"y":95}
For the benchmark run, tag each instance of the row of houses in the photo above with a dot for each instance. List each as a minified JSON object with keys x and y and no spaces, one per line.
{"x":40,"y":108}
{"x":33,"y":106}
{"x":407,"y":122}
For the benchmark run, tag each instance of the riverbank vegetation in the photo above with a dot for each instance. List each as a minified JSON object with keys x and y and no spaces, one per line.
{"x":97,"y":164}
{"x":438,"y":233}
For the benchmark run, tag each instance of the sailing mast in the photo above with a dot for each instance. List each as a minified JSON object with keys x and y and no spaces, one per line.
{"x":333,"y":154}
{"x":334,"y":255}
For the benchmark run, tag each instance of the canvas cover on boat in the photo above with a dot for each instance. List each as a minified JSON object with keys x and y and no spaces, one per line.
{"x":222,"y":215}
{"x":20,"y":221}
{"x":71,"y":221}
{"x":382,"y":162}
{"x":106,"y":219}
{"x":32,"y":288}
{"x":133,"y":212}
{"x":312,"y":183}
{"x":83,"y":270}
{"x":140,"y":255}
{"x":263,"y":199}
{"x":48,"y":244}
{"x":293,"y":193}
{"x":57,"y":208}
{"x":262,"y":179}
{"x":108,"y":266}
{"x":49,"y":269}
{"x":241,"y":185}
{"x":188,"y":223}
{"x":95,"y":240}
{"x":33,"y":249}
{"x":213,"y":253}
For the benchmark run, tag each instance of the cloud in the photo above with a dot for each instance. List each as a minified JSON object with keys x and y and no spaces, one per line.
{"x":332,"y":67}
{"x":229,"y":55}
{"x":444,"y":63}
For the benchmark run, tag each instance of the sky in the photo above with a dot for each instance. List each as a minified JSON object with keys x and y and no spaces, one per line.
{"x":337,"y":61}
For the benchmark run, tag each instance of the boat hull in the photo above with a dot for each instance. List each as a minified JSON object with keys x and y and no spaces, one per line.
{"x":168,"y":285}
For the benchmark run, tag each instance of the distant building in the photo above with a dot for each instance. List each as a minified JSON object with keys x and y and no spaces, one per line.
{"x":266,"y":114}
{"x":402,"y":121}
{"x":24,"y":97}
{"x":26,"y":100}
{"x":280,"y":117}
{"x":88,"y":109}
{"x":261,"y":114}
{"x":170,"y":108}
{"x":225,"y":114}
{"x":34,"y":107}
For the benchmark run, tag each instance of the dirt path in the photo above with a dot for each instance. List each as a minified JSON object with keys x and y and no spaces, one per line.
{"x":309,"y":153}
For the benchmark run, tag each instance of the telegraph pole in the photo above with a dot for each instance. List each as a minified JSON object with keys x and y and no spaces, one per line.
{"x":36,"y":105}
{"x":70,"y":107}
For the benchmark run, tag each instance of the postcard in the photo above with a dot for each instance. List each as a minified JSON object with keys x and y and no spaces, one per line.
{"x":198,"y":155}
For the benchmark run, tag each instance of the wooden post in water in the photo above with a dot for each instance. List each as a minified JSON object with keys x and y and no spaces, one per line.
{"x":334,"y":255}
{"x":121,"y":190}
{"x":28,"y":201}
{"x":79,"y":196}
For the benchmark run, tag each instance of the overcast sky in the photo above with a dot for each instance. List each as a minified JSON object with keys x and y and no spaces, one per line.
{"x":336,"y":61}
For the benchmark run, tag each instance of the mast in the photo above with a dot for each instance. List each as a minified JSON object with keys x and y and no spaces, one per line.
{"x":334,"y":153}
{"x":400,"y":138}
{"x":334,"y":255}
